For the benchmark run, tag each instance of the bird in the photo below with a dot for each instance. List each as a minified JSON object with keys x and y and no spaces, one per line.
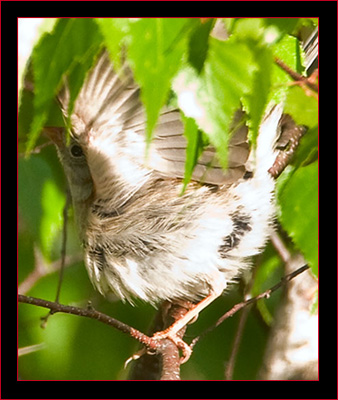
{"x":142,"y":237}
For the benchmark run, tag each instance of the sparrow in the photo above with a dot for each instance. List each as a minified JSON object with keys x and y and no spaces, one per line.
{"x":142,"y":238}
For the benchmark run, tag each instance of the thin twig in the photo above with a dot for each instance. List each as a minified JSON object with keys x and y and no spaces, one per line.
{"x":41,"y":270}
{"x":64,"y":244}
{"x":63,"y":256}
{"x":263,"y":295}
{"x":36,"y":149}
{"x":230,"y":365}
{"x":280,"y":247}
{"x":235,"y":347}
{"x":296,"y":76}
{"x":30,"y":349}
{"x":243,"y":304}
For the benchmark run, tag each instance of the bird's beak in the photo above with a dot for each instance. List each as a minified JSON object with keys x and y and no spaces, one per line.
{"x":55,"y":134}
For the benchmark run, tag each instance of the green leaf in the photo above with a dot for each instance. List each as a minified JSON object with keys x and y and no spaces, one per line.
{"x":248,"y":29}
{"x":198,"y":45}
{"x":71,"y":41}
{"x":227,"y":80}
{"x":253,"y":33}
{"x":289,"y":51}
{"x":212,"y":97}
{"x":307,"y":151}
{"x":42,"y":26}
{"x":299,"y":212}
{"x":40,"y":202}
{"x":286,"y":25}
{"x":76,"y":78}
{"x":114,"y":32}
{"x":302,"y":108}
{"x":265,"y":276}
{"x":194,"y":149}
{"x":255,"y":103}
{"x":312,"y":22}
{"x":155,"y":60}
{"x":52,"y":203}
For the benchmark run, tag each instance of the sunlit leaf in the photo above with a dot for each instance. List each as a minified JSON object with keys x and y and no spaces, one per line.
{"x":114,"y":32}
{"x":215,"y":94}
{"x":52,"y":202}
{"x":40,"y":202}
{"x":155,"y":60}
{"x":255,"y":103}
{"x":288,"y":50}
{"x":72,"y":40}
{"x":194,"y":148}
{"x":285,"y":25}
{"x":302,"y":107}
{"x":199,"y":44}
{"x":299,"y":211}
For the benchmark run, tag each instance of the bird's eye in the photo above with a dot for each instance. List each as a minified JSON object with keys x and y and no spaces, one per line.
{"x":76,"y":151}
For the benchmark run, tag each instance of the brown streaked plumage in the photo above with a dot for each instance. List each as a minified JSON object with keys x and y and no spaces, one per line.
{"x":141,"y":238}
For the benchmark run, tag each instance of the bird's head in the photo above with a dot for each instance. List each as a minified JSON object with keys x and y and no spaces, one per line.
{"x":73,"y":158}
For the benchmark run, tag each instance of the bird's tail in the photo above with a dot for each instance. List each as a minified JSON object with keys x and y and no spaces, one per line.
{"x":264,"y":154}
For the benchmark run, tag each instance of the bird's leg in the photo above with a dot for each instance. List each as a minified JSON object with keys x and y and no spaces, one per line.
{"x":171,"y":332}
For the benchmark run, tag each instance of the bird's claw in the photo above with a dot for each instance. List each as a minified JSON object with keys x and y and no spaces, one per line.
{"x":184,"y":347}
{"x":135,"y":356}
{"x":159,"y":336}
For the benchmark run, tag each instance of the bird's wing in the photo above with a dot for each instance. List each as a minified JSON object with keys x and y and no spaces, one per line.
{"x":110,"y":101}
{"x":169,"y":145}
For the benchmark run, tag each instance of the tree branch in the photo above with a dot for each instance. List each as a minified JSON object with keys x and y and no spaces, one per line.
{"x":170,"y":355}
{"x":170,"y":362}
{"x":166,"y":365}
{"x":290,"y":139}
{"x":89,"y":312}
